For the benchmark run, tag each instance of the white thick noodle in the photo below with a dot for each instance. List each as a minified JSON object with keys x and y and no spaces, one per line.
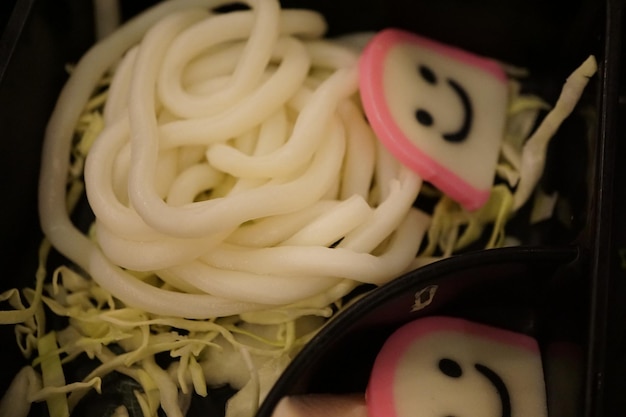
{"x":332,"y":225}
{"x":117,"y":96}
{"x":235,"y":164}
{"x":249,"y":286}
{"x":250,"y":62}
{"x":306,"y":136}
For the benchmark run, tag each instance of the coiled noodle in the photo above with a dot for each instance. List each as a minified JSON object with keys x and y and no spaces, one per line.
{"x":235,"y":165}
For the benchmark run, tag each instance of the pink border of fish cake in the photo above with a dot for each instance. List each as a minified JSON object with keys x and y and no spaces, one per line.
{"x":382,"y":376}
{"x":381,"y":120}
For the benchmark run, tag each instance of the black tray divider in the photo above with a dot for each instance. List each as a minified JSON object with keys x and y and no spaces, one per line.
{"x":602,"y":200}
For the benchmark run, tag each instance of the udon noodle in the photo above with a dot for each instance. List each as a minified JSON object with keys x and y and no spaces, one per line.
{"x":235,"y":164}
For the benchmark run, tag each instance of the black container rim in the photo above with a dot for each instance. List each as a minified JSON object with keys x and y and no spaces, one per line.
{"x":422,"y":277}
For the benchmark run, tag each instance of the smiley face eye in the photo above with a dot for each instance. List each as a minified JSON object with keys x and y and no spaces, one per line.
{"x":423,"y":117}
{"x":427,"y":74}
{"x":450,"y":367}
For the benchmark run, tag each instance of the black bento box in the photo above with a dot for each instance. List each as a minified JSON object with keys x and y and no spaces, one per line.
{"x":567,"y":282}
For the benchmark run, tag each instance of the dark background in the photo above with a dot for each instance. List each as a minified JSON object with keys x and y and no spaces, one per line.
{"x":39,"y":37}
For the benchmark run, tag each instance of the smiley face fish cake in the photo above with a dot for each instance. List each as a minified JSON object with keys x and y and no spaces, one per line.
{"x":443,"y":366}
{"x":440,"y":110}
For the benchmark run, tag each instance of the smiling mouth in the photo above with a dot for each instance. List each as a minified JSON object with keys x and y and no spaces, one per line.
{"x":499,"y":385}
{"x":461,"y":134}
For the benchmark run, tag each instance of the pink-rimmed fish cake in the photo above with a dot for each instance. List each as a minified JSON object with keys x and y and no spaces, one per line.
{"x":443,"y":366}
{"x":439,"y":109}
